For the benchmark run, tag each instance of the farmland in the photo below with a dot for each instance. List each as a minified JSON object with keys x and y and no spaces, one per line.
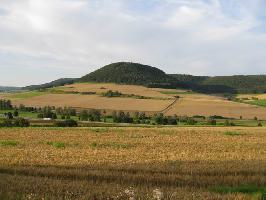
{"x":94,"y":101}
{"x":105,"y":162}
{"x":195,"y":104}
{"x":188,"y":103}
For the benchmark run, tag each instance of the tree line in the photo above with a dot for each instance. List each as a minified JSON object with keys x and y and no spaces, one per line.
{"x":69,"y":114}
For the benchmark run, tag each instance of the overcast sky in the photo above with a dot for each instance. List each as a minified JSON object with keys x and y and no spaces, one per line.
{"x":41,"y":40}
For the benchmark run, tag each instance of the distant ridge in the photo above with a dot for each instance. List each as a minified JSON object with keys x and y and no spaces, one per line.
{"x":8,"y":88}
{"x":56,"y":83}
{"x":231,"y":84}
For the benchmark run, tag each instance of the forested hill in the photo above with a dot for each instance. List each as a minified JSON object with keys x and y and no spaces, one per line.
{"x":138,"y":74}
{"x":130,"y":73}
{"x":243,"y":84}
{"x":230,"y":84}
{"x":56,"y":83}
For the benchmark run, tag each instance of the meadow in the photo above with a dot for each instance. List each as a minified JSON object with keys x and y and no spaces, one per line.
{"x":144,"y":163}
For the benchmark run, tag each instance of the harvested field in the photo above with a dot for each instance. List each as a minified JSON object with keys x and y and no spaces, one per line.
{"x":95,"y":101}
{"x":210,"y":105}
{"x":125,"y":89}
{"x":250,"y":96}
{"x":101,"y":163}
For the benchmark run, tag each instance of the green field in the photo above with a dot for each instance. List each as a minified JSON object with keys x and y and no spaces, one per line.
{"x":23,"y":114}
{"x":26,"y":95}
{"x":261,"y":102}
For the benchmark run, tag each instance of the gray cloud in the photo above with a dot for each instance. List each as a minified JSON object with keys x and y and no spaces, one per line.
{"x":73,"y":37}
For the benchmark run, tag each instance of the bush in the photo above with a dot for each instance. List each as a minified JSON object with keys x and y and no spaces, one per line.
{"x":191,"y":121}
{"x":159,"y":118}
{"x":67,"y":123}
{"x":218,"y":117}
{"x":83,"y":115}
{"x":15,"y":114}
{"x":40,"y":116}
{"x":228,"y":123}
{"x":171,"y":120}
{"x":21,"y":122}
{"x":110,"y":93}
{"x":122,"y":117}
{"x":9,"y":115}
{"x":259,"y":124}
{"x":6,"y":123}
{"x":211,"y":122}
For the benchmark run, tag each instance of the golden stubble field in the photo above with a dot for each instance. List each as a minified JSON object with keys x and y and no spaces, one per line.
{"x":197,"y":104}
{"x":85,"y":146}
{"x":250,"y":96}
{"x":116,"y":163}
{"x":95,"y":102}
{"x":102,"y":163}
{"x":124,"y":89}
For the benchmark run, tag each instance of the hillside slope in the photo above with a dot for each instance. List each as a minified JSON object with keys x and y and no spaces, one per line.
{"x":242,"y":84}
{"x":225,"y":84}
{"x":129,"y":73}
{"x":138,"y":74}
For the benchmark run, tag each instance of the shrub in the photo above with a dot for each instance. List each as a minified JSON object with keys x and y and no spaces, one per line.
{"x":6,"y":123}
{"x":191,"y":121}
{"x":67,"y":123}
{"x":211,"y":122}
{"x":111,"y":93}
{"x":15,"y":114}
{"x":171,"y":121}
{"x":217,"y":117}
{"x":83,"y":115}
{"x":228,"y":123}
{"x":9,"y":115}
{"x":21,"y":122}
{"x":40,"y":116}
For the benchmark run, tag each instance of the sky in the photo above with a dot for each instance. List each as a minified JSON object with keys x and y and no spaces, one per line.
{"x":42,"y":40}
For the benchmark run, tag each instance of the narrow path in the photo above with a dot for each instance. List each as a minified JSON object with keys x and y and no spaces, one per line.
{"x":170,"y":106}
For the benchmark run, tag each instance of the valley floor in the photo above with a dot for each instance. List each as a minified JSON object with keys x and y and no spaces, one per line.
{"x":116,"y":163}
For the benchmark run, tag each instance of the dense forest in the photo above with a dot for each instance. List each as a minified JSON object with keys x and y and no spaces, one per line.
{"x":242,"y":84}
{"x":129,"y":73}
{"x":225,"y":84}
